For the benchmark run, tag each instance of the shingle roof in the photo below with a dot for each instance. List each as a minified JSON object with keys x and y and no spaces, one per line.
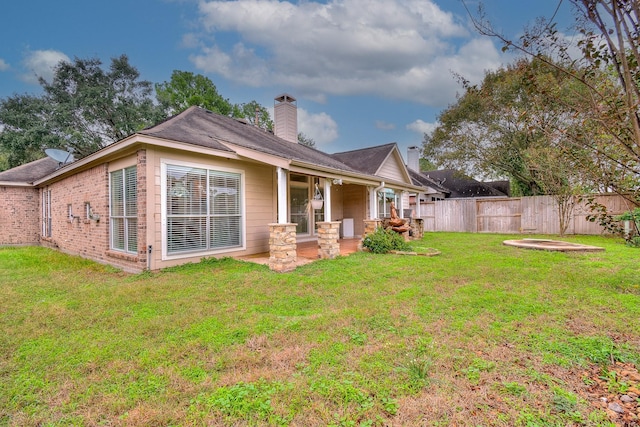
{"x":461,"y":185}
{"x":205,"y":128}
{"x":30,"y":172}
{"x":367,"y":160}
{"x":425,"y":181}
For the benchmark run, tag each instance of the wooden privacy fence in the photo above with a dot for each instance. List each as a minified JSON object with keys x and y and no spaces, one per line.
{"x":536,"y":214}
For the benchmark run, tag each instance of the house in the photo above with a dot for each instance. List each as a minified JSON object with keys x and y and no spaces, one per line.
{"x":449,"y":183}
{"x":202,"y":185}
{"x":461,"y":185}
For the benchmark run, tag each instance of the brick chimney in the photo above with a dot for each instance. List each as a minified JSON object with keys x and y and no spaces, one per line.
{"x":285,"y":111}
{"x":413,"y":158}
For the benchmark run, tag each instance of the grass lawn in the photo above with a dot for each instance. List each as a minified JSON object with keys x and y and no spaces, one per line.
{"x":483,"y":334}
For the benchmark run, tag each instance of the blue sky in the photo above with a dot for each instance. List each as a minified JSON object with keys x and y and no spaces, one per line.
{"x":364,"y":72}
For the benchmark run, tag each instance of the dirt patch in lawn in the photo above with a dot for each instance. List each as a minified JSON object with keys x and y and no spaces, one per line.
{"x":615,"y":389}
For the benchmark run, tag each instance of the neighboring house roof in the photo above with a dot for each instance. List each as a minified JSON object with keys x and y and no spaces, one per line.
{"x":425,"y":181}
{"x":461,"y":185}
{"x":30,"y":172}
{"x":503,"y":186}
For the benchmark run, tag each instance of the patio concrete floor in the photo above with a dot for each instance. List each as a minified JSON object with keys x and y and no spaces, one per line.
{"x":307,"y":252}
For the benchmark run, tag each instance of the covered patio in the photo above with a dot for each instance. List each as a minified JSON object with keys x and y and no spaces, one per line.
{"x":307,"y":252}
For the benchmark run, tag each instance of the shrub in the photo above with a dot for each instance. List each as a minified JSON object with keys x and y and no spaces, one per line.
{"x":382,"y":241}
{"x":632,"y":238}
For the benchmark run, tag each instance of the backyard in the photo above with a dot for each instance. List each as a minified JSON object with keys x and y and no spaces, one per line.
{"x":482,"y":334}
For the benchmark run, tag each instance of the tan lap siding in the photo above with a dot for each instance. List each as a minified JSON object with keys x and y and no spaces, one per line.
{"x":258,"y":199}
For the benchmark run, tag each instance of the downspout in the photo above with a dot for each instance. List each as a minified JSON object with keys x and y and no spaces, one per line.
{"x":373,"y":205}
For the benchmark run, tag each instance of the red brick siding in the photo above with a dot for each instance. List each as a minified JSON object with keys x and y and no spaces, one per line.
{"x":89,"y":238}
{"x":19,"y":216}
{"x":82,"y":236}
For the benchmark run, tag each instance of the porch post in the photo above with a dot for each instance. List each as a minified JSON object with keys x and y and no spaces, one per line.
{"x":282,"y":235}
{"x":328,"y":236}
{"x":418,"y":213}
{"x":281,"y":176}
{"x":327,"y":200}
{"x":282,"y":247}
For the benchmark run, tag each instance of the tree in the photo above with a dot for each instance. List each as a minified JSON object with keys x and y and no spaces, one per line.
{"x":82,"y":109}
{"x":502,"y":127}
{"x":186,"y":89}
{"x":610,"y":44}
{"x":93,"y":108}
{"x":26,"y":130}
{"x":426,"y":165}
{"x":254,"y":113}
{"x":305,"y":140}
{"x":515,"y":124}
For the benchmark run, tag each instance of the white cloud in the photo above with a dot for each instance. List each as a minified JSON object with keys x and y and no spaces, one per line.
{"x":401,"y":49}
{"x":422,"y":127}
{"x":3,"y":65}
{"x":40,"y":63}
{"x":319,"y":127}
{"x":382,"y":125}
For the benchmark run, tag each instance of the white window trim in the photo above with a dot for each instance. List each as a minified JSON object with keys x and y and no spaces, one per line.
{"x":111,"y":246}
{"x":163,"y":209}
{"x":396,"y":197}
{"x":46,"y":212}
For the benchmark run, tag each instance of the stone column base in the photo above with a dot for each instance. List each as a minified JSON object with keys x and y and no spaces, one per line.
{"x":282,"y":247}
{"x":370,"y":226}
{"x":418,"y":228}
{"x":328,"y":236}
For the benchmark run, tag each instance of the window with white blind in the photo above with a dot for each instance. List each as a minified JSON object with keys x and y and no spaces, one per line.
{"x":124,"y":210}
{"x":203,"y":209}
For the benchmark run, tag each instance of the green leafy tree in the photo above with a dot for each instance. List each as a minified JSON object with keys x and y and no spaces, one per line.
{"x":609,"y":44}
{"x":504,"y":127}
{"x":26,"y":130}
{"x":305,"y":140}
{"x":82,"y":109}
{"x":426,"y":165}
{"x":186,"y":89}
{"x":254,"y":113}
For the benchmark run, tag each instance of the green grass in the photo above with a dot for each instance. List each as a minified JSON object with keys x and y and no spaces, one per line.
{"x":483,"y":334}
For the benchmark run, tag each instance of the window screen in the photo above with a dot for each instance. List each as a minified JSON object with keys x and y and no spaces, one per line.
{"x":124,"y":210}
{"x":203,"y":209}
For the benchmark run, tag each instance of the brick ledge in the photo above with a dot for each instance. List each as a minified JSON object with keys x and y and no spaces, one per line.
{"x":122,"y":256}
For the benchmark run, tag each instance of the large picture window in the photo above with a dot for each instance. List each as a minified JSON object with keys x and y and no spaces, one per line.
{"x":203,"y":209}
{"x":124,"y":210}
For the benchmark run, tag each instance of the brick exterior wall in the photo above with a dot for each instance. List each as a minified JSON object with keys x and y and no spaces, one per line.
{"x":19,"y":216}
{"x":80,"y":236}
{"x":87,"y":237}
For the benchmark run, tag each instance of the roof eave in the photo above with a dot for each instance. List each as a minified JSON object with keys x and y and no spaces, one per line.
{"x":15,"y":184}
{"x":128,"y":144}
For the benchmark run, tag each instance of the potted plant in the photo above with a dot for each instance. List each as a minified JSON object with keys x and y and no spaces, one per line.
{"x":317,"y":201}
